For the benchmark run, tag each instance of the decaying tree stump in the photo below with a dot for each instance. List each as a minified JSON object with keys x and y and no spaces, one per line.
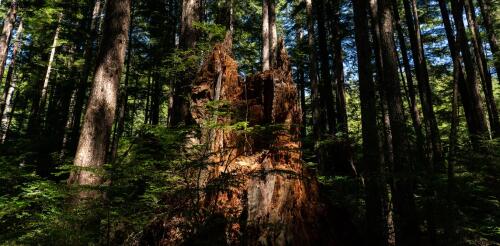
{"x":255,"y":189}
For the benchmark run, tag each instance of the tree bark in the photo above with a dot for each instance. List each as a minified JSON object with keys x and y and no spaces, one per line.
{"x":266,"y":56}
{"x":376,"y":197}
{"x":179,"y":110}
{"x":313,"y":72}
{"x":482,"y":67}
{"x":100,"y":113}
{"x":8,"y":26}
{"x":477,"y":127}
{"x":489,"y":25}
{"x":407,"y":227}
{"x":424,"y":87}
{"x":10,"y":84}
{"x":82,"y":87}
{"x":414,"y":111}
{"x":273,"y":34}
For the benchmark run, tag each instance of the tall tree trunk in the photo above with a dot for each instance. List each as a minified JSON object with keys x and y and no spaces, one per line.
{"x":179,"y":110}
{"x":414,"y":111}
{"x":375,"y":29}
{"x":100,"y":113}
{"x":465,"y":94}
{"x":301,"y":80}
{"x":8,"y":26}
{"x":40,"y":100}
{"x":123,"y":101}
{"x":82,"y":87}
{"x":482,"y":65}
{"x":489,"y":25}
{"x":266,"y":56}
{"x":477,"y":128}
{"x":43,"y":98}
{"x":313,"y":72}
{"x":347,"y":164}
{"x":326,"y":89}
{"x":424,"y":87}
{"x":10,"y":84}
{"x":273,"y":34}
{"x":7,"y":122}
{"x":376,"y":197}
{"x":407,"y":228}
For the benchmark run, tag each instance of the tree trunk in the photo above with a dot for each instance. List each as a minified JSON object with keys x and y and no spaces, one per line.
{"x":326,"y":89}
{"x":43,"y":98}
{"x":10,"y":84}
{"x":376,"y":197}
{"x":313,"y":73}
{"x":489,"y":25}
{"x":8,"y":26}
{"x":100,"y":113}
{"x":123,"y":101}
{"x":482,"y":65}
{"x":414,"y":111}
{"x":40,"y":100}
{"x":478,"y":128}
{"x":346,"y":161}
{"x":83,"y":84}
{"x":179,"y":113}
{"x":266,"y":56}
{"x":407,"y":228}
{"x":273,"y":34}
{"x":424,"y":87}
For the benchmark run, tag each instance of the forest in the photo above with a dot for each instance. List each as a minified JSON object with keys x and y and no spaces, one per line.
{"x":253,"y":122}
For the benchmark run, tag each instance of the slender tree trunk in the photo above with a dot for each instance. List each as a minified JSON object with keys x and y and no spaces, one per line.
{"x":375,"y":29}
{"x":10,"y":84}
{"x":482,"y":65}
{"x":424,"y":87}
{"x":313,"y":74}
{"x":7,"y":122}
{"x":273,"y":34}
{"x":100,"y":113}
{"x":477,"y":128}
{"x":43,"y":98}
{"x":326,"y":88}
{"x":407,"y":228}
{"x":301,"y":82}
{"x":376,"y":197}
{"x":179,"y":114}
{"x":414,"y":111}
{"x":489,"y":25}
{"x":8,"y":26}
{"x":83,"y":84}
{"x":465,"y":94}
{"x":266,"y":56}
{"x":40,"y":100}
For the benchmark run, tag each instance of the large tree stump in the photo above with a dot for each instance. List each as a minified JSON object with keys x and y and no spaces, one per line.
{"x":256,"y":190}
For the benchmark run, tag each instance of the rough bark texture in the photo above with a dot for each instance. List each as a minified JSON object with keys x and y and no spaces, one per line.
{"x":255,"y":183}
{"x":100,"y":113}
